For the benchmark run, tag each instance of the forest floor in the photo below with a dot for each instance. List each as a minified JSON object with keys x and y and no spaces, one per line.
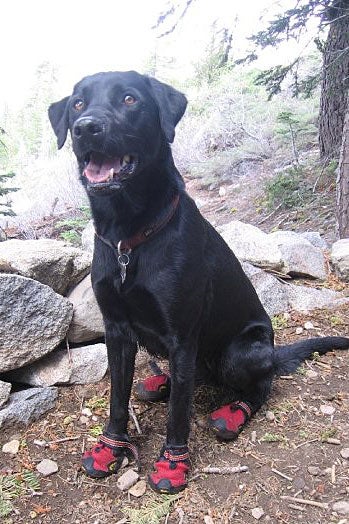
{"x":295,"y":448}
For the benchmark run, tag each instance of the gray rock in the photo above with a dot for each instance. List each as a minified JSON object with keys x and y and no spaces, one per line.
{"x":5,"y":390}
{"x":86,"y":365}
{"x":50,"y":262}
{"x":251,"y":244}
{"x":272,"y":293}
{"x":127,"y":480}
{"x":33,"y":320}
{"x":345,"y":453}
{"x":47,"y":467}
{"x":340,"y":258}
{"x":138,"y":489}
{"x":87,"y":323}
{"x":300,"y":257}
{"x":315,"y":239}
{"x":11,"y":447}
{"x":88,"y":237}
{"x":341,"y":507}
{"x":26,"y":406}
{"x":278,"y":297}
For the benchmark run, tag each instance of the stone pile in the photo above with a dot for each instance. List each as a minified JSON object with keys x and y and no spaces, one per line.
{"x":51,"y":330}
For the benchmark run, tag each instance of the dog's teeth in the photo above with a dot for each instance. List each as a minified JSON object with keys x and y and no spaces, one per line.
{"x":111,"y":174}
{"x":126,"y":159}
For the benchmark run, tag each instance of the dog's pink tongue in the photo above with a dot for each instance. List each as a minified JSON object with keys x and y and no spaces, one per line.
{"x":98,"y":168}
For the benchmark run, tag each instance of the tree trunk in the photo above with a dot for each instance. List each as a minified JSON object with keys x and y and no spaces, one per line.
{"x":335,"y":81}
{"x":342,"y":185}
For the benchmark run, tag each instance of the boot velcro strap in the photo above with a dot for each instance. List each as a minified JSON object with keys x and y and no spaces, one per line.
{"x":176,"y":458}
{"x":116,"y":444}
{"x":243,"y":406}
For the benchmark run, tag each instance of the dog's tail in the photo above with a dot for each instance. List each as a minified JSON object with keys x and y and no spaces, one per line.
{"x":288,"y":358}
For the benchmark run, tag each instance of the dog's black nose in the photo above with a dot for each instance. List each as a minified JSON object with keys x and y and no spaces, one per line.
{"x":87,"y":127}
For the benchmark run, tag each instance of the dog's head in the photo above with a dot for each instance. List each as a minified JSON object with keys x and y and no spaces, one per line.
{"x":118,"y":123}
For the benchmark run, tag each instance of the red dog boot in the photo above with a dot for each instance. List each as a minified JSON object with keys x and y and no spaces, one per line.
{"x":106,"y":457}
{"x":171,"y":470}
{"x":154,"y":388}
{"x":229,"y":420}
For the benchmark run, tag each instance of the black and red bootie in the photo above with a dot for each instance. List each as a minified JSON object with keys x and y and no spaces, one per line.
{"x":154,"y":388}
{"x":170,"y":475}
{"x":106,"y":457}
{"x":228,"y":421}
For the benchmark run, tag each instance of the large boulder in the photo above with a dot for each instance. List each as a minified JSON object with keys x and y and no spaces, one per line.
{"x":5,"y":390}
{"x":26,"y":406}
{"x":87,"y":323}
{"x":286,"y":252}
{"x":88,"y":237}
{"x":300,"y":257}
{"x":340,"y":258}
{"x":51,"y":262}
{"x":81,"y":365}
{"x":278,"y":296}
{"x":33,"y":320}
{"x":251,"y":244}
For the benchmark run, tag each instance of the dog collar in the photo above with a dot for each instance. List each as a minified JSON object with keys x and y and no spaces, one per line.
{"x":125,"y":247}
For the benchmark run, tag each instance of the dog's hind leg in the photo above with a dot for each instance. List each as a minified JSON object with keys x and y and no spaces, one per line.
{"x":106,"y":457}
{"x":246,"y":367}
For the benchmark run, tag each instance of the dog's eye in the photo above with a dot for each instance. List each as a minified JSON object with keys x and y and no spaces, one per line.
{"x":79,"y":104}
{"x":129,"y":100}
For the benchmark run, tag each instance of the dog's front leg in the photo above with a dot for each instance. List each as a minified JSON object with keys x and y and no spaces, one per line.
{"x":107,"y":456}
{"x":171,"y":469}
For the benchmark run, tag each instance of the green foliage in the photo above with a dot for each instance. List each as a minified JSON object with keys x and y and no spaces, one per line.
{"x":97,"y":403}
{"x":71,"y":228}
{"x":287,"y":189}
{"x":153,"y":511}
{"x":13,"y":486}
{"x":279,"y":322}
{"x":96,"y":430}
{"x":215,"y":62}
{"x":273,"y":437}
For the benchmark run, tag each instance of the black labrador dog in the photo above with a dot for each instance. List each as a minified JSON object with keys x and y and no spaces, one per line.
{"x":162,"y":275}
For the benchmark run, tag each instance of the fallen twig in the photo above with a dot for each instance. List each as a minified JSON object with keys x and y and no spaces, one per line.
{"x":270,"y":214}
{"x":281,"y":474}
{"x":59,"y":440}
{"x":225,"y":470}
{"x":134,"y":418}
{"x":323,"y":505}
{"x":294,"y":506}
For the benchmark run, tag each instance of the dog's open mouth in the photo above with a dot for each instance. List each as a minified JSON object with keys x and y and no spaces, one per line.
{"x":104,"y":171}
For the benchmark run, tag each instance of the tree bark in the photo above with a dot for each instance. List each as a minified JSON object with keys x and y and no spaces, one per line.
{"x":335,"y":81}
{"x":342,"y":185}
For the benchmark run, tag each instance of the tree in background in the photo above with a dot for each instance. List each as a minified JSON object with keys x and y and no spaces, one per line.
{"x":5,"y":204}
{"x":333,"y":75}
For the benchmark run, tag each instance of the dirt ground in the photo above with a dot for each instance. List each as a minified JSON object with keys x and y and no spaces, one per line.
{"x":296,"y":447}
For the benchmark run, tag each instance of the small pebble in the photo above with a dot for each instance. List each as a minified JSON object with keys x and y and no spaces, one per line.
{"x":310,"y":373}
{"x":87,"y":412}
{"x":327,"y":410}
{"x":11,"y":447}
{"x":222,"y":191}
{"x":138,"y":489}
{"x":345,"y":453}
{"x":40,"y":443}
{"x":84,"y":420}
{"x":47,"y":467}
{"x":299,"y":330}
{"x":341,"y":507}
{"x":208,"y":519}
{"x":269,"y":415}
{"x":253,"y":436}
{"x":314,"y":470}
{"x":257,"y":513}
{"x":308,"y":325}
{"x":127,"y":480}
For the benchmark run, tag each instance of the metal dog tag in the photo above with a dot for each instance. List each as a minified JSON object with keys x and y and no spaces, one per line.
{"x":123,"y":261}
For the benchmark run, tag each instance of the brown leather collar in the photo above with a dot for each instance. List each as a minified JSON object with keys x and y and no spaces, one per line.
{"x":126,"y":246}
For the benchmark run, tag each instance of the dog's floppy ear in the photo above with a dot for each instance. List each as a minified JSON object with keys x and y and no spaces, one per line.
{"x":58,"y":115}
{"x":171,"y":104}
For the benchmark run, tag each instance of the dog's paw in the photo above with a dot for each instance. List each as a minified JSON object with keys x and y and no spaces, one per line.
{"x":170,"y":475}
{"x":228,"y":421}
{"x":106,"y":457}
